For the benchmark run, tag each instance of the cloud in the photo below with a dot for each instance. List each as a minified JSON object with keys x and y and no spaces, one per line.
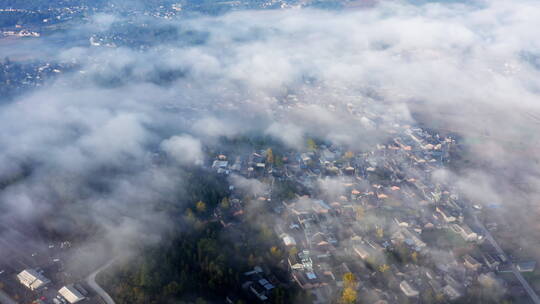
{"x":346,"y":78}
{"x":249,"y":186}
{"x":184,"y":149}
{"x":289,"y":133}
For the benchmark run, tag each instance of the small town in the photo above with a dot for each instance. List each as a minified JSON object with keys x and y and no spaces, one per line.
{"x":385,"y":231}
{"x":373,"y":224}
{"x":269,"y":152}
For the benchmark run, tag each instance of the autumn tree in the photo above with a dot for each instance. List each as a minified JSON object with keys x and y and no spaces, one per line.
{"x":200,"y":206}
{"x":350,"y":284}
{"x":224,"y":203}
{"x":190,"y":216}
{"x":414,"y":257}
{"x":275,"y":252}
{"x":348,"y":296}
{"x":384,"y":268}
{"x":269,"y":156}
{"x":349,"y":280}
{"x":379,"y":232}
{"x":311,"y":144}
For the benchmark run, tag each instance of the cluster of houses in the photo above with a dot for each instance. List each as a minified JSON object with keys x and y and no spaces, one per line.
{"x":21,"y":33}
{"x":378,"y":215}
{"x":35,"y":280}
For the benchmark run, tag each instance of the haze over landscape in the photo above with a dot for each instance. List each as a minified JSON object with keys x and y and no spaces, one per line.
{"x":324,"y":151}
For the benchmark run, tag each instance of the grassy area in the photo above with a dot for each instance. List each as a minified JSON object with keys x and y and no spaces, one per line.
{"x":444,"y":239}
{"x":533,"y":278}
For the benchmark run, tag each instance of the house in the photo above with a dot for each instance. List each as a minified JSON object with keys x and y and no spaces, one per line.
{"x":349,"y":170}
{"x":409,"y":238}
{"x":305,"y":158}
{"x":401,"y":223}
{"x":288,"y":240}
{"x":527,"y":266}
{"x":465,"y":232}
{"x":71,"y":294}
{"x":408,"y":290}
{"x":368,"y":249}
{"x":491,"y":261}
{"x":32,"y":279}
{"x":445,"y":215}
{"x":452,"y":293}
{"x":301,"y":261}
{"x":223,"y":164}
{"x":258,"y":284}
{"x":471,"y":262}
{"x":306,"y":279}
{"x":319,"y":206}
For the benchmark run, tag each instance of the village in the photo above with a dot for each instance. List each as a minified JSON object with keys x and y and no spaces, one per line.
{"x":375,"y":225}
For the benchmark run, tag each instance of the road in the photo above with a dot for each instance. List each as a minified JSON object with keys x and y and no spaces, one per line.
{"x":532,"y":294}
{"x":91,"y":281}
{"x":5,"y":299}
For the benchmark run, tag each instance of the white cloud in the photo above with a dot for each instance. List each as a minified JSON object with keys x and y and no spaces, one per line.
{"x":184,"y":149}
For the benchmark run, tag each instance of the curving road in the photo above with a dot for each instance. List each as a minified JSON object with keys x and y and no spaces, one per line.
{"x":91,"y":281}
{"x":530,"y":291}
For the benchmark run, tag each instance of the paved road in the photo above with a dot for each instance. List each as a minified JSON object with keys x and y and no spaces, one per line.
{"x":91,"y":280}
{"x":532,"y":294}
{"x":5,"y":299}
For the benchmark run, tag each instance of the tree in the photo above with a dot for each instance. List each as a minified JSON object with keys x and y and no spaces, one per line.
{"x":201,"y":207}
{"x":269,"y":156}
{"x":348,"y":296}
{"x":293,"y":252}
{"x":379,"y":232}
{"x":172,"y":288}
{"x":349,"y":280}
{"x":279,"y":296}
{"x":200,"y":301}
{"x":359,"y":213}
{"x":349,"y":154}
{"x":190,"y":216}
{"x":278,"y":161}
{"x":311,"y":144}
{"x":252,"y":261}
{"x":384,"y":268}
{"x":276,"y":253}
{"x":414,"y":257}
{"x":224,"y":203}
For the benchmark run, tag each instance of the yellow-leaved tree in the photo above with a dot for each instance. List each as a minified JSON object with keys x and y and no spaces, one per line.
{"x":349,"y":294}
{"x":269,"y":156}
{"x":200,"y":206}
{"x":311,"y":144}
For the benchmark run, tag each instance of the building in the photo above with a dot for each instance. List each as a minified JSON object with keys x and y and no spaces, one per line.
{"x":452,"y":293}
{"x":465,"y":232}
{"x":71,"y":294}
{"x":526,"y":266}
{"x":408,"y":290}
{"x":471,"y":262}
{"x":491,"y":261}
{"x":445,"y":215}
{"x":288,"y":240}
{"x":32,"y":279}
